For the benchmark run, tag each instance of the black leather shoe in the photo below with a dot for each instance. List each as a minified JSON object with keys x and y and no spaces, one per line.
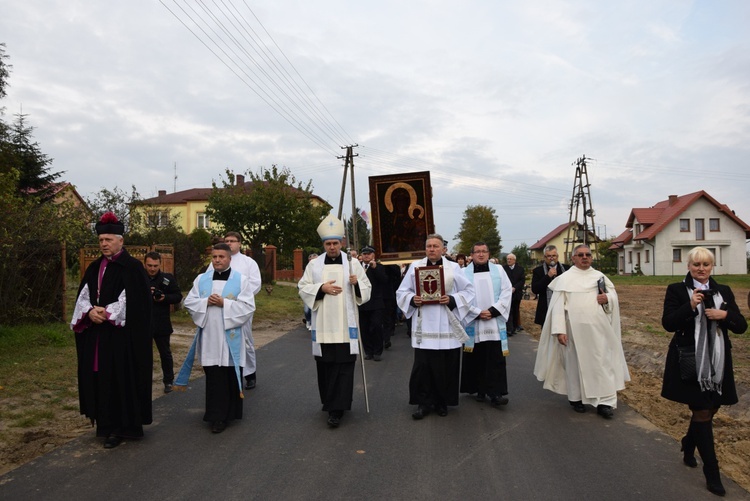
{"x":112,"y":442}
{"x":168,"y":388}
{"x":578,"y":406}
{"x":218,"y":426}
{"x":442,"y":410}
{"x":250,"y":382}
{"x":387,"y":345}
{"x":334,"y":420}
{"x":368,"y":357}
{"x":479,"y":397}
{"x":501,"y":400}
{"x":421,"y":412}
{"x":605,"y":411}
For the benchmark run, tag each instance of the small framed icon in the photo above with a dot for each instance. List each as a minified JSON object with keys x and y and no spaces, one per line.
{"x":430,"y":283}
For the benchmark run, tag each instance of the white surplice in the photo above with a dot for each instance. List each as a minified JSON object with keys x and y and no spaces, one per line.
{"x":249,"y":269}
{"x":212,"y":347}
{"x":333,"y":317}
{"x":436,"y":330}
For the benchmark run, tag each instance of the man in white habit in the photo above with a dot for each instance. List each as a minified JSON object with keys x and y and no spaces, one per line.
{"x":247,"y":266}
{"x":436,"y":332}
{"x":220,"y":302}
{"x":332,"y":287}
{"x":580,"y":350}
{"x":484,"y":369}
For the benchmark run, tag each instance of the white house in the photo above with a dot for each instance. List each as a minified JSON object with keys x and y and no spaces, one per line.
{"x":658,"y":239}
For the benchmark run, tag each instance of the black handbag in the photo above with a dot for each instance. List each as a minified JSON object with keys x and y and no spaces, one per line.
{"x":686,"y":357}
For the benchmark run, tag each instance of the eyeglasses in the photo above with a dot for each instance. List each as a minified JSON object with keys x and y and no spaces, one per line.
{"x":583,"y":254}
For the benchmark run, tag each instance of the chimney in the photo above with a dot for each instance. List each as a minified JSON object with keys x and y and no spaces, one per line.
{"x":240,"y":179}
{"x":162,"y":193}
{"x":672,"y":200}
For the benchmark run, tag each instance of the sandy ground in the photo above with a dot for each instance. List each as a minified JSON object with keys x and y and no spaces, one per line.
{"x":645,"y":347}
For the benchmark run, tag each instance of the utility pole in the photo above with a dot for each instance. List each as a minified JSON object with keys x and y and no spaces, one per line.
{"x":580,"y":201}
{"x":349,"y":165}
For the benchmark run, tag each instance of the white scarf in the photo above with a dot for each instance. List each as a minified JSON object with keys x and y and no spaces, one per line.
{"x":709,"y":345}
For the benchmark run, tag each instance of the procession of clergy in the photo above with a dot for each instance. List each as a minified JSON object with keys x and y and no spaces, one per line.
{"x":580,"y":353}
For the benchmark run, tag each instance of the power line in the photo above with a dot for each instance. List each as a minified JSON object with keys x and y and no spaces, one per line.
{"x":225,"y":30}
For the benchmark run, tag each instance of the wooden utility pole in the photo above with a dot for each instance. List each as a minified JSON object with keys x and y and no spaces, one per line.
{"x":349,"y":165}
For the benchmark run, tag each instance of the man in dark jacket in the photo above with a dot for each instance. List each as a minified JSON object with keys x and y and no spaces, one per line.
{"x":112,"y":320}
{"x":517,"y":276}
{"x":541,"y":277}
{"x":164,"y":292}
{"x":371,"y":313}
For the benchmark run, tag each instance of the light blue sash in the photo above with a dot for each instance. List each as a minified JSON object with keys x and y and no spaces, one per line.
{"x":496,"y":288}
{"x":234,"y":336}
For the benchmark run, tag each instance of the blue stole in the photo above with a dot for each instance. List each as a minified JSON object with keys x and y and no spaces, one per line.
{"x":234,"y":336}
{"x":496,"y":288}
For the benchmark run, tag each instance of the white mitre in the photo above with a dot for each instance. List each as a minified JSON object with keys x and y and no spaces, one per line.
{"x":331,"y":228}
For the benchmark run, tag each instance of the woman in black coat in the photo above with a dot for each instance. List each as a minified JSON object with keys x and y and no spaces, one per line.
{"x":700,"y":312}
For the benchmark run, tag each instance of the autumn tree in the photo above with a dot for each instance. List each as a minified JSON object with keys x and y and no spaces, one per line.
{"x":479,"y":224}
{"x":523,"y":256}
{"x":115,"y":200}
{"x":271,"y":208}
{"x":33,"y":229}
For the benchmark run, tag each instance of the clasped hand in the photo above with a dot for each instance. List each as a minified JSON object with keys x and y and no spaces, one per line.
{"x":331,"y":288}
{"x":98,"y":314}
{"x":216,"y":300}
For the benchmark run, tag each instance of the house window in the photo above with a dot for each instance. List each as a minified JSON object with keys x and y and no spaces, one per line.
{"x":630,"y":257}
{"x":676,"y":255}
{"x":157,"y":219}
{"x":637,"y":228}
{"x":203,"y":222}
{"x":717,"y":258}
{"x":648,"y":256}
{"x":713,"y":224}
{"x":684,"y":225}
{"x":699,"y":230}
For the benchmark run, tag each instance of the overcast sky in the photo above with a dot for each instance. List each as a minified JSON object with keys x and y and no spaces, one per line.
{"x":497,"y":99}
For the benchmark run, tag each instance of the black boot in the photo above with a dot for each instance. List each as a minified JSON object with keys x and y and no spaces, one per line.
{"x":688,"y":448}
{"x":704,"y":440}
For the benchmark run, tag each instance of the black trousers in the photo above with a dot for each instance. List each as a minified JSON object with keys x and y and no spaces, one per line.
{"x":165,"y":355}
{"x":434,"y":377}
{"x":515,"y":312}
{"x":335,"y":376}
{"x":484,"y":370}
{"x":223,"y":402}
{"x":371,"y":323}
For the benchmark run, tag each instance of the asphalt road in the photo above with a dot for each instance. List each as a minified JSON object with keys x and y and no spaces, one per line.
{"x":534,"y":448}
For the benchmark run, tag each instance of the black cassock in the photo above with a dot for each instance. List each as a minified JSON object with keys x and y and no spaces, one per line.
{"x":118,"y":394}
